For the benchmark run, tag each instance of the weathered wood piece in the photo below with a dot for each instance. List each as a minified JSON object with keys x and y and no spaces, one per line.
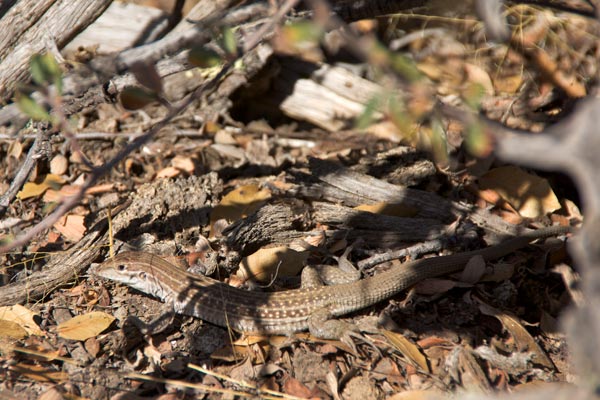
{"x":120,"y":27}
{"x":32,"y":26}
{"x":329,"y":97}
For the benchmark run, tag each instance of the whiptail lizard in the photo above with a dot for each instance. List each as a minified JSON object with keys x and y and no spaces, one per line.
{"x":293,"y":310}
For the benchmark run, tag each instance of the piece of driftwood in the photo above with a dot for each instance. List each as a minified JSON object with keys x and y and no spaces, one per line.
{"x":410,"y":229}
{"x":120,"y":27}
{"x":331,"y":182}
{"x":329,"y":97}
{"x":400,"y":165}
{"x":33,"y":26}
{"x":273,"y":223}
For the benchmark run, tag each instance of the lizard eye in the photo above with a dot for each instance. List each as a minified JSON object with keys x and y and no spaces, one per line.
{"x":121,"y":267}
{"x":142,"y":275}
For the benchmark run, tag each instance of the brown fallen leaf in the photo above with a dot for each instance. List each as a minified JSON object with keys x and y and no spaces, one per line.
{"x":83,"y":327}
{"x":10,"y":329}
{"x":31,"y":189}
{"x":477,"y":75}
{"x":523,"y":340}
{"x":72,"y":227}
{"x":408,"y":349}
{"x":391,"y":209}
{"x":168,"y":172}
{"x":419,"y":395}
{"x":238,"y":203}
{"x":529,"y":194}
{"x":21,"y":316}
{"x":268,"y":263}
{"x":39,"y":373}
{"x":185,"y":164}
{"x":295,"y":388}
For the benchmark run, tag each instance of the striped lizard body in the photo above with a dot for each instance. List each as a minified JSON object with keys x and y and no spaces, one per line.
{"x":293,"y":310}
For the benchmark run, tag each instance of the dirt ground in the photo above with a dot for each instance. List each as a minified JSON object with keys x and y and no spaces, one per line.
{"x":218,"y":189}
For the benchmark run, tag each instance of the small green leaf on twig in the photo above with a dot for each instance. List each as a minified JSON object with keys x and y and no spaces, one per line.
{"x":46,"y":71}
{"x":228,"y":42}
{"x":405,"y":67}
{"x":478,"y":142}
{"x":31,"y":108}
{"x":367,"y":117}
{"x":204,"y":58}
{"x":302,"y":32}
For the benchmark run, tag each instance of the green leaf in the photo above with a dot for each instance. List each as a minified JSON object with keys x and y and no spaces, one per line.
{"x":399,"y":117}
{"x":473,"y":94}
{"x":46,"y":71}
{"x":31,"y":108}
{"x":134,"y":98}
{"x":405,"y":67}
{"x":478,"y":142}
{"x":367,"y":116}
{"x":302,"y":32}
{"x":6,"y":240}
{"x":439,"y":142}
{"x":204,"y":58}
{"x":228,"y":42}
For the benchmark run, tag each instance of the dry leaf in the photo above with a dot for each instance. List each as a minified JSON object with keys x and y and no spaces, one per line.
{"x":185,"y":164}
{"x":530,"y":195}
{"x":72,"y":227}
{"x":92,"y":346}
{"x":53,"y":196}
{"x":168,"y":172}
{"x":236,"y":353}
{"x":429,"y":287}
{"x":295,"y":388}
{"x":39,"y":373}
{"x":408,"y":349}
{"x":385,"y":130}
{"x":10,"y":329}
{"x":268,"y":263}
{"x":474,"y":270}
{"x":22,"y":317}
{"x":59,"y":165}
{"x":249,"y":340}
{"x":523,"y":340}
{"x":477,"y":75}
{"x":15,"y":149}
{"x":83,"y":327}
{"x":508,"y":84}
{"x":391,"y":209}
{"x":31,"y":189}
{"x":238,"y":204}
{"x":418,"y":395}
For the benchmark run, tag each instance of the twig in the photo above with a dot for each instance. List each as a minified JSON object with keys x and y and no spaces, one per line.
{"x":38,"y":150}
{"x":259,"y":35}
{"x":420,"y":248}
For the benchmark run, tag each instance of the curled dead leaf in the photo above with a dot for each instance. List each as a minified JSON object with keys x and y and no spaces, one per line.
{"x":23,"y":317}
{"x":267,"y":263}
{"x":529,"y":194}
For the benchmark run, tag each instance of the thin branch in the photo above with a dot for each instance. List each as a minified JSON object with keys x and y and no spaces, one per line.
{"x":37,"y":151}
